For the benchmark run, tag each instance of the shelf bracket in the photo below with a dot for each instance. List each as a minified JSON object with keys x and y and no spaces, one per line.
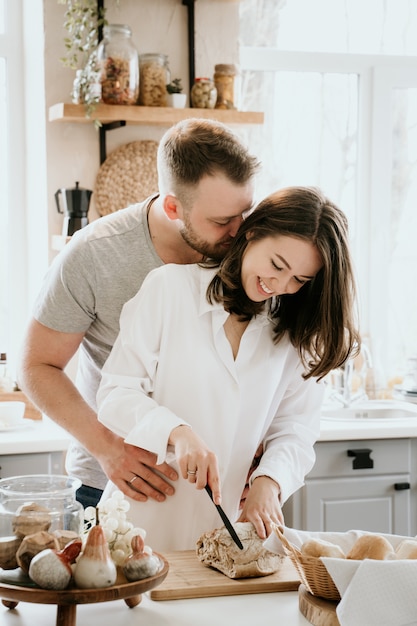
{"x":102,"y":133}
{"x":190,"y":4}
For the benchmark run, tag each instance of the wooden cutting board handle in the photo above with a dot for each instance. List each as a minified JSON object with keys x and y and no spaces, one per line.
{"x":317,"y":611}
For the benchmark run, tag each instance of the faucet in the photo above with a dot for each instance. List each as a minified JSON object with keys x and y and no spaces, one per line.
{"x":343,"y":392}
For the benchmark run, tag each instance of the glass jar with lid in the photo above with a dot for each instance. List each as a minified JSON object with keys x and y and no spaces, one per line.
{"x":118,"y":61}
{"x":154,"y":77}
{"x":35,"y":503}
{"x":203,"y":94}
{"x":224,"y":79}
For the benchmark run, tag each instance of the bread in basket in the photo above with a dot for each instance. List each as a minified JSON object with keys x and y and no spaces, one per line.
{"x":312,"y":571}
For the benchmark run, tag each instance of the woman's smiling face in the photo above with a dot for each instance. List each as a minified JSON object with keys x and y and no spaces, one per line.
{"x":278,"y":265}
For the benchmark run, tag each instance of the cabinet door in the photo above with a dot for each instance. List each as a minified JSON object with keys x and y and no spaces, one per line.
{"x":372,"y":504}
{"x":37,"y":463}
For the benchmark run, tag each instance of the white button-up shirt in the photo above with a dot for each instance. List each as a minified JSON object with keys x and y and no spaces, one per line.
{"x":172,"y":364}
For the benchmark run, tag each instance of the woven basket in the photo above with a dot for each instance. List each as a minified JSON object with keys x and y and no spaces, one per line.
{"x":312,"y":572}
{"x":127,"y":176}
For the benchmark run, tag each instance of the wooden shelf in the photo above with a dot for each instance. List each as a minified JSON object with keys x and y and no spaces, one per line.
{"x":151,"y":116}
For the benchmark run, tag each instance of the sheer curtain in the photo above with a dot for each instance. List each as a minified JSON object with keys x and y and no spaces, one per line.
{"x":23,"y":217}
{"x":337,"y":80}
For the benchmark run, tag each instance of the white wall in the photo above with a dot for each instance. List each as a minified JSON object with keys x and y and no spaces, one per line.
{"x":157,"y":26}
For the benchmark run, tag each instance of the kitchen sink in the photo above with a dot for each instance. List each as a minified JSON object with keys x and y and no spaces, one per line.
{"x":371,"y":410}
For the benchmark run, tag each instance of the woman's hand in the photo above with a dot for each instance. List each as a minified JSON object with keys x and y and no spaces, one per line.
{"x":197,"y":463}
{"x":262,"y":506}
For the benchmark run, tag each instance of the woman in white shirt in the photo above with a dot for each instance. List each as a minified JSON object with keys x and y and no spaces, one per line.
{"x":213,"y":360}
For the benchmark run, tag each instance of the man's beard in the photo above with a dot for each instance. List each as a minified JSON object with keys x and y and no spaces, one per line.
{"x":214,"y":251}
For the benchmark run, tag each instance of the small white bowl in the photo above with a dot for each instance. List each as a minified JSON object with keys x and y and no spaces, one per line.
{"x":11,"y":413}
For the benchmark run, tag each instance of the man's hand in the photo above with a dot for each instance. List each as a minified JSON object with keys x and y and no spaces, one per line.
{"x":134,"y":471}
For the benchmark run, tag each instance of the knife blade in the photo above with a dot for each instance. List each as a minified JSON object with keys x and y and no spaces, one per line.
{"x":226,"y":521}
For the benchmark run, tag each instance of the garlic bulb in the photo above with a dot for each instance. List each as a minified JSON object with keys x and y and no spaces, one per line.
{"x":140,"y":564}
{"x":95,"y":567}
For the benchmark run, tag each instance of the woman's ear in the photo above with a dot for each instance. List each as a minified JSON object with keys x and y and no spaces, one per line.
{"x":172,"y":207}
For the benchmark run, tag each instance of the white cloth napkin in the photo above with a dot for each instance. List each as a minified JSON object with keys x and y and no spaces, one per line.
{"x":374,"y":593}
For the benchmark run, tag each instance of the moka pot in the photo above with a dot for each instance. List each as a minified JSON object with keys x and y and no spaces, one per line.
{"x":75,"y":203}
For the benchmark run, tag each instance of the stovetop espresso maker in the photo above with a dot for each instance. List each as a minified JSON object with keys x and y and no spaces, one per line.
{"x":75,"y":204}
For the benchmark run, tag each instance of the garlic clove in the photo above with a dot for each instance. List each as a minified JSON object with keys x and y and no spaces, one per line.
{"x":95,"y":567}
{"x":140,"y":564}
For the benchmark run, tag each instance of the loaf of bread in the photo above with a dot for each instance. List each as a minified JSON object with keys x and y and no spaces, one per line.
{"x":217,"y":549}
{"x":319,"y":547}
{"x":407,"y":549}
{"x":371,"y":547}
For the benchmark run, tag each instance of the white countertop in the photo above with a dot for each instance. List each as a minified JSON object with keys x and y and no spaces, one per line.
{"x":342,"y":430}
{"x":269,"y":609}
{"x":46,"y":436}
{"x":39,"y":436}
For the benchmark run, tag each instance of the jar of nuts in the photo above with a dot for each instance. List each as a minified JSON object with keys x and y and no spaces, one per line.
{"x":154,"y":77}
{"x":203,"y":94}
{"x":119,"y":66}
{"x":224,"y":79}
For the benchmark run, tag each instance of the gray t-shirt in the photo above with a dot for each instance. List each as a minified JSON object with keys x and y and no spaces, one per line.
{"x":101,"y":268}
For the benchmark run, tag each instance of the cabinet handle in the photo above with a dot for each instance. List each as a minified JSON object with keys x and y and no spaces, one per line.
{"x":362,"y":459}
{"x":401,"y":486}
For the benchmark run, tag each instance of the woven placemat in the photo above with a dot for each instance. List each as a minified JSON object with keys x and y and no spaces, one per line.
{"x":127,"y":176}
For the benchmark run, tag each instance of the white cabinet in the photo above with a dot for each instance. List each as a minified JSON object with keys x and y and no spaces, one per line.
{"x":365,"y":484}
{"x":36,"y":463}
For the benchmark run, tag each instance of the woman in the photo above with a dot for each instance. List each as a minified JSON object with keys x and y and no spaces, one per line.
{"x":213,"y":361}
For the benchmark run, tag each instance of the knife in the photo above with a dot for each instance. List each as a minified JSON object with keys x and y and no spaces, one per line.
{"x":226,"y":520}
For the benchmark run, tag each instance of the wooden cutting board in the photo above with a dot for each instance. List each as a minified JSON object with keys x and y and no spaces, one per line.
{"x":188,"y":578}
{"x":317,"y":611}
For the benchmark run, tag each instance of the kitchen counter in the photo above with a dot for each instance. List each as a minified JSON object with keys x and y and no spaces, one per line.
{"x":46,"y":436}
{"x":368,"y":428}
{"x":245,"y":610}
{"x":39,"y":436}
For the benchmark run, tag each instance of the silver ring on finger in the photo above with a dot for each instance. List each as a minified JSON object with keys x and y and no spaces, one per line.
{"x":191,"y":472}
{"x":132,"y":480}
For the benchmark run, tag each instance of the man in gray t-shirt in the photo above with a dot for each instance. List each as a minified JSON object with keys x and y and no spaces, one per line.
{"x":205,"y":180}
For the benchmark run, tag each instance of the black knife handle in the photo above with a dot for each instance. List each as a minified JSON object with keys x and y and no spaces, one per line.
{"x":226,"y":520}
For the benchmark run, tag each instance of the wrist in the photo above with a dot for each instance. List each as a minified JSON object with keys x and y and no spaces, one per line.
{"x":270,"y":482}
{"x":176,"y":433}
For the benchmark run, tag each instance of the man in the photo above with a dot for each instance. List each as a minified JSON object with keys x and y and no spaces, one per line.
{"x":205,"y":180}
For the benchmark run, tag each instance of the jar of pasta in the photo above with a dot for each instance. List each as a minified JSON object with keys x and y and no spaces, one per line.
{"x":119,"y":66}
{"x":154,"y":77}
{"x":203,"y":94}
{"x":224,"y":80}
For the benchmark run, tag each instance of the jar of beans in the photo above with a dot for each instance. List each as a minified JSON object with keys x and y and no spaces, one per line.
{"x":154,"y":78}
{"x":203,"y":94}
{"x":119,"y":66}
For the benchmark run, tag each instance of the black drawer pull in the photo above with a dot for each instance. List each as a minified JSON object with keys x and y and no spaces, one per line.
{"x":401,"y":486}
{"x":362,"y":459}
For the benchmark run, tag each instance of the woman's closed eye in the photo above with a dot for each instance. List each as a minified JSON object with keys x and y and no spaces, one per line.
{"x":300,"y":281}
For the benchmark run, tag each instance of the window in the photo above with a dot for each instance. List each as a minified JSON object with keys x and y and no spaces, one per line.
{"x":23,"y":212}
{"x":339,"y":91}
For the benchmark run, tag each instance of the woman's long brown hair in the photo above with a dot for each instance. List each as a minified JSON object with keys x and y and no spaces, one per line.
{"x":320,"y":317}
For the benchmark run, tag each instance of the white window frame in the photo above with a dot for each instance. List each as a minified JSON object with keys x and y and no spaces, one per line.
{"x":377,"y":75}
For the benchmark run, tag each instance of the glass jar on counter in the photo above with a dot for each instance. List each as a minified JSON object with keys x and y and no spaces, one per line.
{"x":118,"y":61}
{"x":154,"y":77}
{"x":224,"y":80}
{"x":203,"y":94}
{"x":35,"y":503}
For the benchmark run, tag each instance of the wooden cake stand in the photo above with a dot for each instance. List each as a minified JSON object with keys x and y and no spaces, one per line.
{"x":68,"y":599}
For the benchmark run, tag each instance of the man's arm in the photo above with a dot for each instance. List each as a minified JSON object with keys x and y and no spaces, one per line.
{"x":41,"y":376}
